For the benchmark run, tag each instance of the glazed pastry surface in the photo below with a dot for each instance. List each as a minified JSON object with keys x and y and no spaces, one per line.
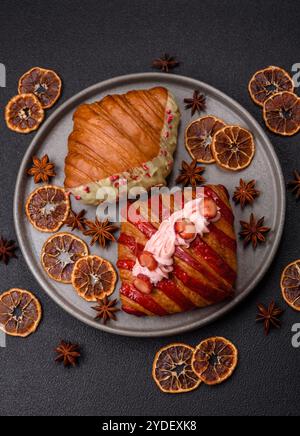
{"x":130,"y":137}
{"x":203,"y":274}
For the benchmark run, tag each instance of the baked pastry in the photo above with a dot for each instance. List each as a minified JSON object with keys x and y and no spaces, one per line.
{"x":130,"y":137}
{"x":175,"y":262}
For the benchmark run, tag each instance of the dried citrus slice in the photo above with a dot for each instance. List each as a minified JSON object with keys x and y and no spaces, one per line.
{"x":24,"y":113}
{"x":59,"y":255}
{"x":198,"y":137}
{"x":20,"y":312}
{"x":44,"y":84}
{"x":282,"y":113}
{"x":94,"y":278}
{"x":214,"y":360}
{"x":172,"y":369}
{"x":268,"y":82}
{"x":233,"y":148}
{"x":290,"y":285}
{"x":47,"y":208}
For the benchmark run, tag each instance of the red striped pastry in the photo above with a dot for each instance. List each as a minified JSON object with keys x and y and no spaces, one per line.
{"x":204,"y":273}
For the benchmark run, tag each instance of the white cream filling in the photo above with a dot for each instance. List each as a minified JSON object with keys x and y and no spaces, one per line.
{"x":163,"y":243}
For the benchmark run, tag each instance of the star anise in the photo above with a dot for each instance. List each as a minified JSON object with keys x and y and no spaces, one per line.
{"x":100,"y":231}
{"x":42,"y":170}
{"x":165,"y":63}
{"x":76,"y":220}
{"x":269,"y":316}
{"x":294,"y":185}
{"x":67,"y":353}
{"x":7,"y":250}
{"x":245,"y":193}
{"x":253,"y":232}
{"x":197,"y":103}
{"x":190,"y":174}
{"x":106,"y":310}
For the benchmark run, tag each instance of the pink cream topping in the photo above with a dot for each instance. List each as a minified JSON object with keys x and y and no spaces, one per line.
{"x":180,"y":229}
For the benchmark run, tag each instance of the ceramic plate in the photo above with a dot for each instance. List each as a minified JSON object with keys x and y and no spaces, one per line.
{"x":52,"y":139}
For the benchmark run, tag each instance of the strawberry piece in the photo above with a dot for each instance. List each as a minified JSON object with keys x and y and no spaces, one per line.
{"x":189,"y":232}
{"x":185,"y":229}
{"x":143,"y":284}
{"x":209,"y":208}
{"x":147,"y":260}
{"x":180,"y":226}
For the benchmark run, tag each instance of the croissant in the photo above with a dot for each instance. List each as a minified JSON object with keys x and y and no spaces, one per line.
{"x":204,"y":273}
{"x":122,"y":138}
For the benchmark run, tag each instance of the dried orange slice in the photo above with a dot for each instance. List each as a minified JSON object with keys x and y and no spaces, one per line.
{"x":20,"y":312}
{"x":59,"y":255}
{"x":233,"y":148}
{"x":44,"y":84}
{"x":198,"y":138}
{"x":282,"y":113}
{"x":94,"y":278}
{"x":214,"y":360}
{"x":268,"y":82}
{"x":47,"y":208}
{"x":172,"y":369}
{"x":290,"y":285}
{"x":24,"y":113}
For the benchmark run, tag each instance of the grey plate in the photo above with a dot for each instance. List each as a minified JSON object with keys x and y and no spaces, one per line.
{"x":52,"y":139}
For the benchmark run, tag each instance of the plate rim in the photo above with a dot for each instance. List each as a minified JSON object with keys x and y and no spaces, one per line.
{"x":110,"y":83}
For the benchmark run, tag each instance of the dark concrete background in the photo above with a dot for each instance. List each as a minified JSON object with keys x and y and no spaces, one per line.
{"x":221,"y":43}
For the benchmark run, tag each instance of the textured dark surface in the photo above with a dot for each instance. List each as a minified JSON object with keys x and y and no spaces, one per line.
{"x":221,"y":43}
